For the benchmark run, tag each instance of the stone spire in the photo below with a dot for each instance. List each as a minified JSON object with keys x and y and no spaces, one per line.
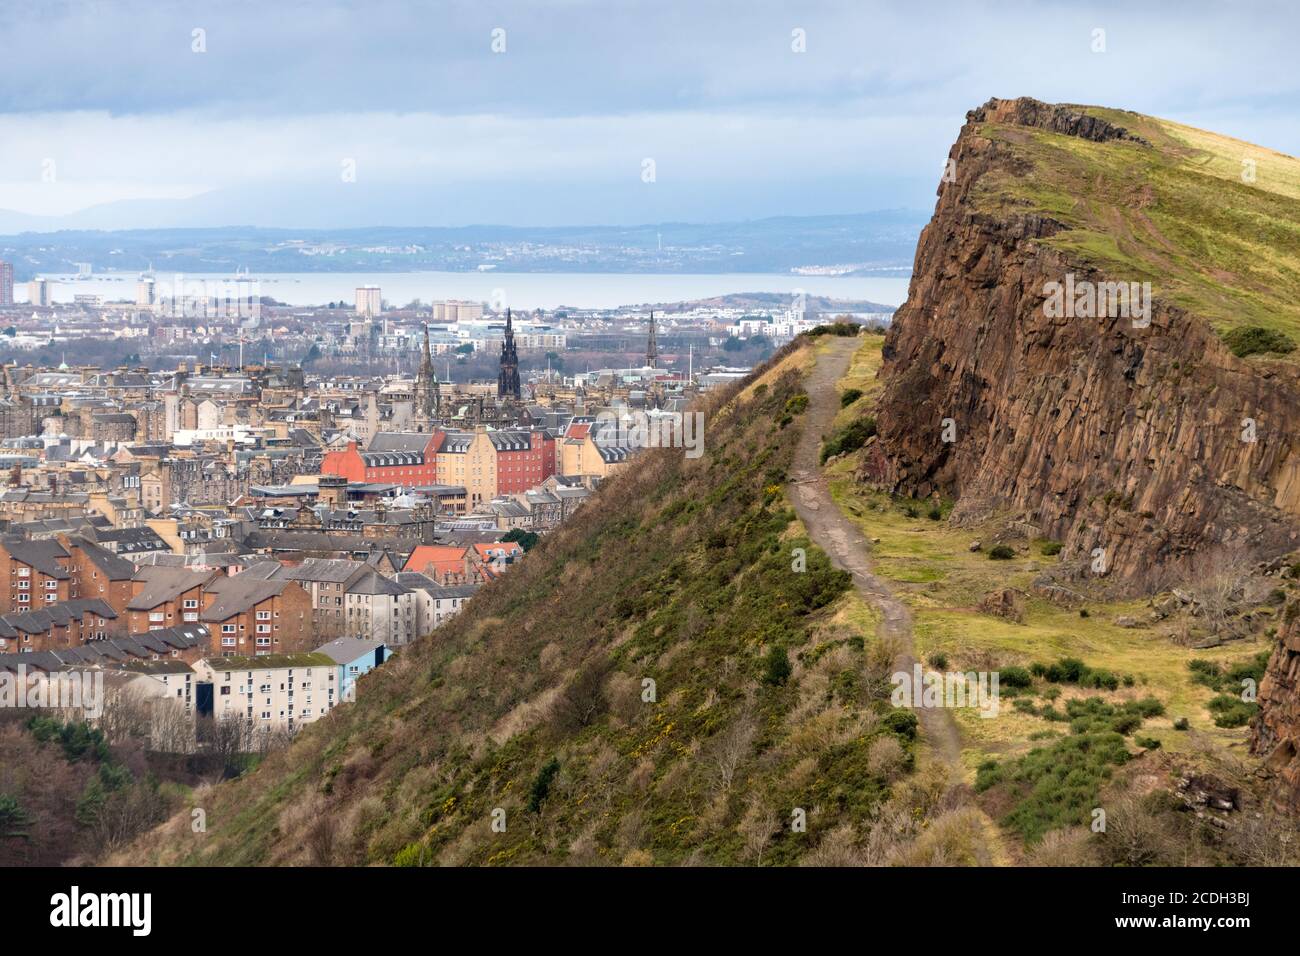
{"x":652,"y":345}
{"x":427,"y":391}
{"x":508,"y":378}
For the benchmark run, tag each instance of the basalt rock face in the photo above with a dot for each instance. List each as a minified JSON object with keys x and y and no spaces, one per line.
{"x":1106,"y":432}
{"x":1275,"y":735}
{"x":1049,"y":116}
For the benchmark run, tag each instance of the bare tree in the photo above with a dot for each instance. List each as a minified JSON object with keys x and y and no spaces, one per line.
{"x":172,"y":728}
{"x":1218,"y":590}
{"x":757,"y":826}
{"x":731,"y":749}
{"x":582,"y":700}
{"x":224,"y":741}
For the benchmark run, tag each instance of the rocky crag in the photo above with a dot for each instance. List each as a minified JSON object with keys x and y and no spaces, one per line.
{"x":1139,"y":439}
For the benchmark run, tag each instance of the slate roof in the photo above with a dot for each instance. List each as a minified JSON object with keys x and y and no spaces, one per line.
{"x":163,"y":584}
{"x":375,"y":583}
{"x":388,"y":442}
{"x":40,"y":555}
{"x":348,"y":649}
{"x":332,"y":570}
{"x":237,"y":594}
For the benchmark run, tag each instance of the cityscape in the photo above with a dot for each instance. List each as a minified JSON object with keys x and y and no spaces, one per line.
{"x":648,"y":446}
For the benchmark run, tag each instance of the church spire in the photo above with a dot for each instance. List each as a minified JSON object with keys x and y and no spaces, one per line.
{"x":508,"y":378}
{"x":652,"y":345}
{"x":427,"y":392}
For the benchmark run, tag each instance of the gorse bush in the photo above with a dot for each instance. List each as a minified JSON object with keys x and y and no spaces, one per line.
{"x":541,"y":788}
{"x":849,"y":438}
{"x":849,"y":396}
{"x":78,"y":739}
{"x":847,"y":329}
{"x":1058,"y":785}
{"x":776,"y":667}
{"x":1001,"y":552}
{"x":1256,"y":340}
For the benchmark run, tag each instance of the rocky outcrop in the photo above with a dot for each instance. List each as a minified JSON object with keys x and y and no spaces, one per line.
{"x":1051,"y":117}
{"x":1113,"y":437}
{"x":1275,"y":735}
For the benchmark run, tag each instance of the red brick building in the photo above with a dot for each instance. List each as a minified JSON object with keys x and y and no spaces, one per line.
{"x":56,"y":626}
{"x":166,"y":597}
{"x":524,"y":459}
{"x":253,"y":616}
{"x":401,"y":459}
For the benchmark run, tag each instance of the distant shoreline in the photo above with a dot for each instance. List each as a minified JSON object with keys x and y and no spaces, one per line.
{"x":522,"y":290}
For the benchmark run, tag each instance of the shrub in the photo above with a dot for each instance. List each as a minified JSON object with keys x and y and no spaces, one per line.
{"x":541,"y":788}
{"x":935,"y":513}
{"x":1147,"y":743}
{"x":849,"y":438}
{"x":776,"y":666}
{"x":1182,"y":723}
{"x":1001,"y":552}
{"x":901,"y":722}
{"x":849,"y":396}
{"x":1255,"y":340}
{"x":938,"y":660}
{"x":1057,"y":785}
{"x":1051,"y":548}
{"x":1231,"y":711}
{"x":1015,"y":677}
{"x":843,"y":329}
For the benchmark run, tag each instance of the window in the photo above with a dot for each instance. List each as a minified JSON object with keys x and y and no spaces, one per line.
{"x":156,"y":616}
{"x":190,"y":603}
{"x":227,"y":629}
{"x":24,"y":572}
{"x":264,"y":615}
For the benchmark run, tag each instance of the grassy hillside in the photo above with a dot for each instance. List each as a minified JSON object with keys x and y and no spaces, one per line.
{"x":1147,"y":709}
{"x":1177,"y":213}
{"x":535,"y":707}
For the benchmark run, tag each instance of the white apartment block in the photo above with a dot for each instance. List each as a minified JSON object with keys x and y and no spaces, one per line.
{"x":277,"y":692}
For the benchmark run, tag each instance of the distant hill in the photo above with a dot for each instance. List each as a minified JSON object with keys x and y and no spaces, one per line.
{"x":878,"y":243}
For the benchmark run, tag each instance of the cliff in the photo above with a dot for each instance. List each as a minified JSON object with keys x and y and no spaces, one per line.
{"x":1122,"y":425}
{"x":1275,"y":735}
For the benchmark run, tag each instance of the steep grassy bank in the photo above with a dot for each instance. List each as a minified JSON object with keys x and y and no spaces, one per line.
{"x":657,"y":683}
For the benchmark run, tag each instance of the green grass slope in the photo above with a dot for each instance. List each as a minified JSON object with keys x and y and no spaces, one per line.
{"x":1212,"y":222}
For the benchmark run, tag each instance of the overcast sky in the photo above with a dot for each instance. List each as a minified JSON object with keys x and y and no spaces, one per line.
{"x":111,"y":102}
